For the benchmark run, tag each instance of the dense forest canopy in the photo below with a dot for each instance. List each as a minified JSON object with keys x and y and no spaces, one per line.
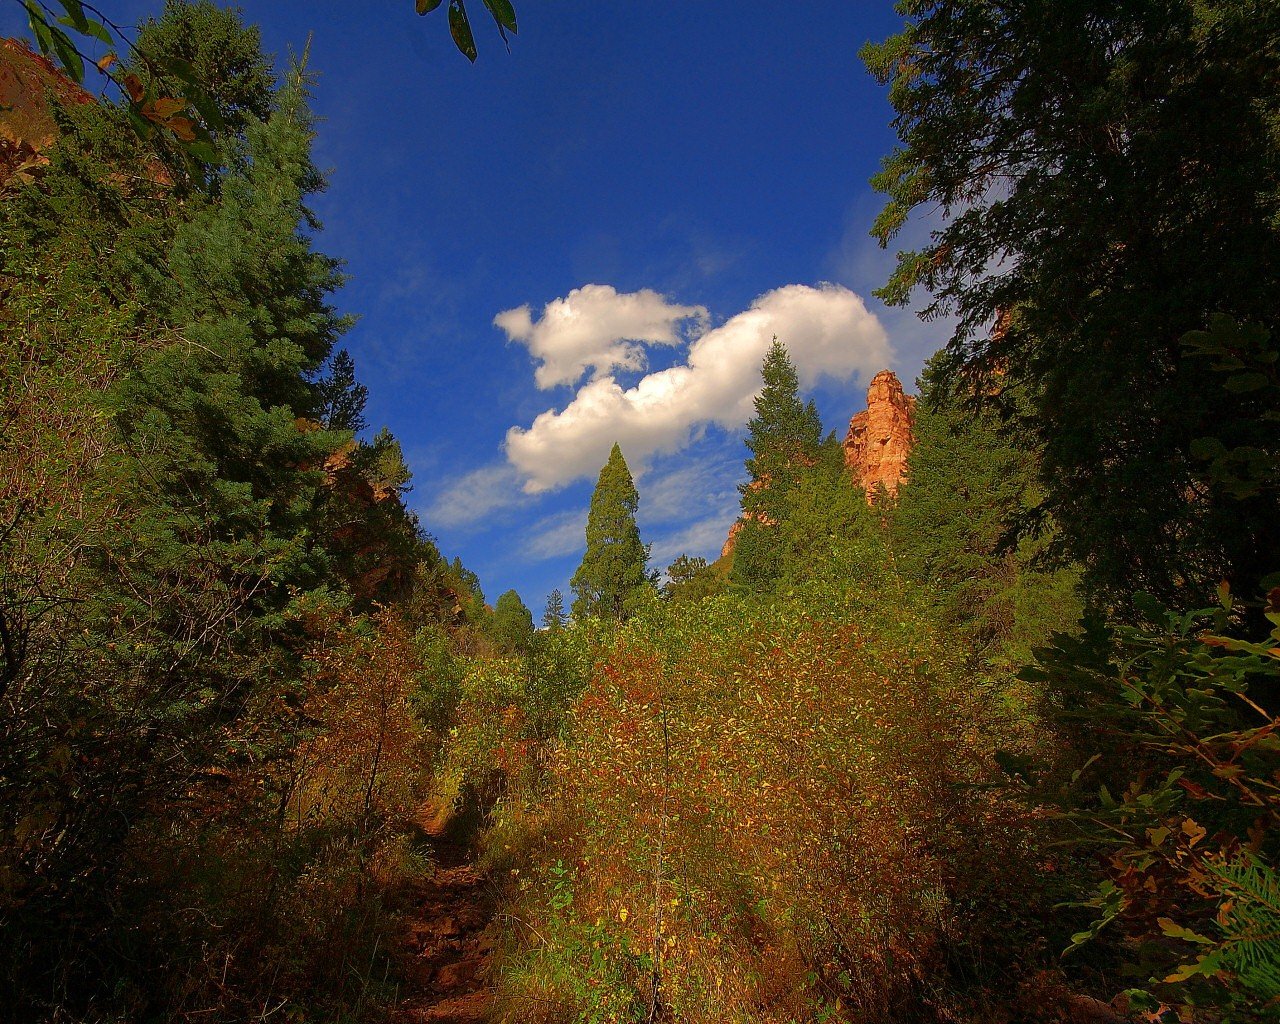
{"x":990,"y":735}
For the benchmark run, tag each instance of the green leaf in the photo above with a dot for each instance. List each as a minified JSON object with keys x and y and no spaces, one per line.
{"x":75,"y":14}
{"x":86,"y":26}
{"x":1177,"y":931}
{"x":206,"y":108}
{"x":98,"y":31}
{"x":141,"y":125}
{"x":206,"y":152}
{"x":1208,"y":965}
{"x":1207,"y":448}
{"x":460,"y":29}
{"x":427,"y":6}
{"x":182,"y":70}
{"x":39,"y":27}
{"x":68,"y":56}
{"x":503,"y":13}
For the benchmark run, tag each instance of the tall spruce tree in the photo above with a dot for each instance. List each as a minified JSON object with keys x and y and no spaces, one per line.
{"x":785,"y":439}
{"x":342,"y":396}
{"x":221,"y":422}
{"x":612,"y":572}
{"x":186,"y":326}
{"x":553,"y":615}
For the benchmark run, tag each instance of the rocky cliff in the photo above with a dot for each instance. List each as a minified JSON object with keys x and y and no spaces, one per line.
{"x":880,"y":437}
{"x":28,"y":82}
{"x":877,"y":444}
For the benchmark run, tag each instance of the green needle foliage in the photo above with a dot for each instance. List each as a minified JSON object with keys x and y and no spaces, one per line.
{"x":553,"y":616}
{"x":972,"y":482}
{"x":784,"y":437}
{"x":612,"y":574}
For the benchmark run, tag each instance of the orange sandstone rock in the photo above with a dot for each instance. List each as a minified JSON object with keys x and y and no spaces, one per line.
{"x":880,"y":437}
{"x":877,"y":445}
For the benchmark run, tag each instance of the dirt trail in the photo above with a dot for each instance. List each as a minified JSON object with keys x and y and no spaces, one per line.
{"x":449,"y":938}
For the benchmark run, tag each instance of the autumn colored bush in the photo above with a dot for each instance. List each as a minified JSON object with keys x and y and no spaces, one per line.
{"x":757,"y":811}
{"x":1175,"y":793}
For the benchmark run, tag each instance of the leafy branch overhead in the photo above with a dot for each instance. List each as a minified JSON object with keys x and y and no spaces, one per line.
{"x":190,"y":117}
{"x":504,"y":16}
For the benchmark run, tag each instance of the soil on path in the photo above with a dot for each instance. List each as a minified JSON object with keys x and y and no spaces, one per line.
{"x":449,"y":937}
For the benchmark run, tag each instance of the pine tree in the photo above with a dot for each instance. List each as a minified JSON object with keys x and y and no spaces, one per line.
{"x":553,"y":616}
{"x":1098,"y":258}
{"x":785,"y":439}
{"x":612,"y":572}
{"x":342,"y":397}
{"x":691,"y":579}
{"x":217,"y":422}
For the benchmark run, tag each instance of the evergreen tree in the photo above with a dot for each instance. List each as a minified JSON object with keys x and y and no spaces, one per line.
{"x":824,"y":511}
{"x":691,"y":579}
{"x":612,"y":572}
{"x":553,"y":615}
{"x":216,"y":423}
{"x":223,"y":55}
{"x":784,"y":437}
{"x":342,"y":397}
{"x":187,"y":328}
{"x":512,"y":625}
{"x":1114,"y":173}
{"x":973,"y":480}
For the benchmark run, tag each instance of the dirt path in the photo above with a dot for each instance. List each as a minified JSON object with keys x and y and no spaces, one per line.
{"x":449,"y":939}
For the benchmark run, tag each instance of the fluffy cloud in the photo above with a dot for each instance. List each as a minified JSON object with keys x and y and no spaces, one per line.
{"x":597,"y":328}
{"x":827,"y":330}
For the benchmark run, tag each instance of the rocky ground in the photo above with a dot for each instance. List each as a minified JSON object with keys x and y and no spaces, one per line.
{"x":449,"y":938}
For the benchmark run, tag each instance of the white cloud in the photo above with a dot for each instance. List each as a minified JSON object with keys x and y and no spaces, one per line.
{"x":557,"y":535}
{"x":473,"y":496}
{"x":827,"y":330}
{"x":597,"y":328}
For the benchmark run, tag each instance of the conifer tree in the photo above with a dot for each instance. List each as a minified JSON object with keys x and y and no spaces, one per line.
{"x":223,"y":413}
{"x":785,"y":438}
{"x":612,"y":572}
{"x":1098,"y":258}
{"x":342,"y":397}
{"x":691,"y":579}
{"x":972,"y":482}
{"x":553,"y":616}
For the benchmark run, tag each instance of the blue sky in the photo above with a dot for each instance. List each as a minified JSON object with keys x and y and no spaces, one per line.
{"x":646,"y":192}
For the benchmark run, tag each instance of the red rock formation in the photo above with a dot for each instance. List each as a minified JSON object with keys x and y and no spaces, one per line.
{"x":27,"y":129}
{"x":880,"y":437}
{"x":877,"y":445}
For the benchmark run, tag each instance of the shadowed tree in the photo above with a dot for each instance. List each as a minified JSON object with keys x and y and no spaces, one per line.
{"x":1112,"y":178}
